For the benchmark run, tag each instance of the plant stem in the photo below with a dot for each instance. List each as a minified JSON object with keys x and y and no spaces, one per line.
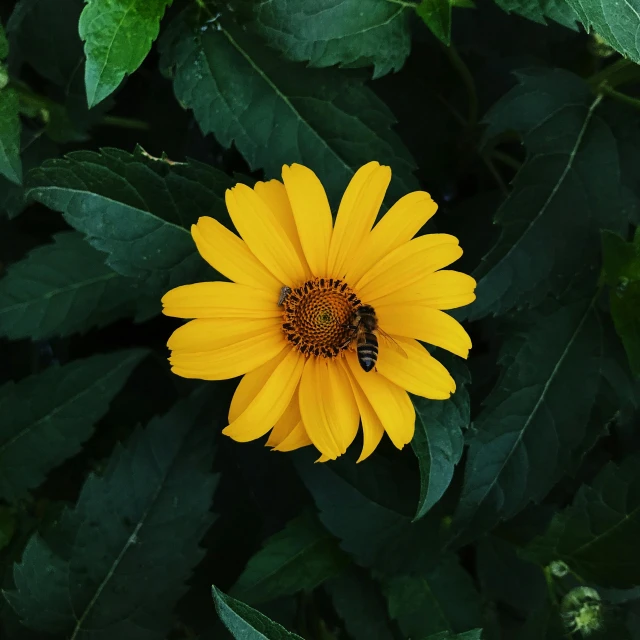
{"x":463,"y":71}
{"x":620,"y":72}
{"x":606,"y":90}
{"x":505,"y":158}
{"x":125,"y":123}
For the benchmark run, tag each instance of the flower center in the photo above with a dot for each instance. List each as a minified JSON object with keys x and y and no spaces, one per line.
{"x":317,"y":316}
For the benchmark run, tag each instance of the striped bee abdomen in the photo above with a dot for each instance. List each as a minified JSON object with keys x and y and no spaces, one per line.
{"x":367,"y":350}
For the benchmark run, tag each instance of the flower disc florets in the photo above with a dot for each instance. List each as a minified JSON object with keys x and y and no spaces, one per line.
{"x":317,"y":316}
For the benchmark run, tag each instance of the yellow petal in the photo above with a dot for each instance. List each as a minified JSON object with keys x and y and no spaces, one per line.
{"x":312,"y":215}
{"x":357,"y":213}
{"x":297,"y":439}
{"x":440,"y":290}
{"x":405,"y":218}
{"x":211,"y":333}
{"x":231,"y":360}
{"x":425,"y":324}
{"x":286,"y":424}
{"x":271,"y":401}
{"x":391,"y":403}
{"x":220,"y":300}
{"x":419,"y":373}
{"x":230,"y":256}
{"x":372,"y":429}
{"x":328,"y":407}
{"x":264,"y":235}
{"x":275,"y":195}
{"x":408,"y":264}
{"x":250,"y":385}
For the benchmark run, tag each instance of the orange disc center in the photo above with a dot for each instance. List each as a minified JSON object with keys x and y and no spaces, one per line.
{"x":317,"y":317}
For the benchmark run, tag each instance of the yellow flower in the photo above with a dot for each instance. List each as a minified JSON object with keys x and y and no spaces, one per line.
{"x":303,"y":381}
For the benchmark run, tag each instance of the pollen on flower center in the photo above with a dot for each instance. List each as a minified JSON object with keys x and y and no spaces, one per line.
{"x":317,"y":316}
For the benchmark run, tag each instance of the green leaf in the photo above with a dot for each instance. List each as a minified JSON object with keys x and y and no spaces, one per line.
{"x":572,"y":165}
{"x":120,"y":560}
{"x":137,"y":209}
{"x":437,"y":16}
{"x":117,"y":35}
{"x":358,"y":601}
{"x":358,"y":506}
{"x":352,"y":33}
{"x":621,"y":270}
{"x":534,"y":417}
{"x":439,"y":439}
{"x":442,"y":600}
{"x":597,"y":535}
{"x":64,"y":288}
{"x":246,"y":623}
{"x":301,"y":556}
{"x":4,"y":44}
{"x":616,"y":25}
{"x":474,"y":634}
{"x":277,"y":112}
{"x":45,"y":35}
{"x":10,"y":163}
{"x":7,"y":525}
{"x":541,"y":10}
{"x":46,"y":417}
{"x":507,"y":578}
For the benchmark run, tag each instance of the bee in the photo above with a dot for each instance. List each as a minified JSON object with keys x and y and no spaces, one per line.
{"x":284,"y":293}
{"x":363,"y":325}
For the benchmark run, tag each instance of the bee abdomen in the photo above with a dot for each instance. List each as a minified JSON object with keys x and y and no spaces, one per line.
{"x":368,"y":351}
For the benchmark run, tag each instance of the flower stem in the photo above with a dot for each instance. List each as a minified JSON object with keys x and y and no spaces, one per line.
{"x":465,"y":75}
{"x":125,"y":123}
{"x":606,"y":90}
{"x":621,"y":72}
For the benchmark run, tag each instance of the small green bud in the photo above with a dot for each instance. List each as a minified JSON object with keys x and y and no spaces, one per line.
{"x":582,"y":610}
{"x":559,"y":569}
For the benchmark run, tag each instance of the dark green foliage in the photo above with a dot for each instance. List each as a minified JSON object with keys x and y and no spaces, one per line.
{"x":302,"y":556}
{"x":47,"y":417}
{"x":277,"y":113}
{"x":65,"y":287}
{"x":246,"y":623}
{"x":597,"y":535}
{"x":353,"y":33}
{"x":442,"y":600}
{"x":439,"y":439}
{"x":621,"y":270}
{"x":572,"y":166}
{"x":137,"y":209}
{"x":157,"y":491}
{"x":513,"y":512}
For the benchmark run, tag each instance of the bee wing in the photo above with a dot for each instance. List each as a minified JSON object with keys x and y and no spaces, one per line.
{"x":392,"y":343}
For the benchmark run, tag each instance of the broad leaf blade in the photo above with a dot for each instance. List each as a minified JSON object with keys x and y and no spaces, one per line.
{"x":63,"y":288}
{"x":442,"y":600}
{"x":301,"y":556}
{"x":10,"y":163}
{"x":355,"y":508}
{"x":621,"y":270}
{"x":439,"y":439}
{"x":353,"y":33}
{"x":136,"y":209}
{"x":47,"y":417}
{"x":616,"y":24}
{"x":572,"y":166}
{"x":542,"y":10}
{"x":143,"y":517}
{"x":597,"y":535}
{"x":358,"y":601}
{"x":246,"y":623}
{"x":117,"y":37}
{"x":277,"y":112}
{"x":437,"y":16}
{"x":534,"y":417}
